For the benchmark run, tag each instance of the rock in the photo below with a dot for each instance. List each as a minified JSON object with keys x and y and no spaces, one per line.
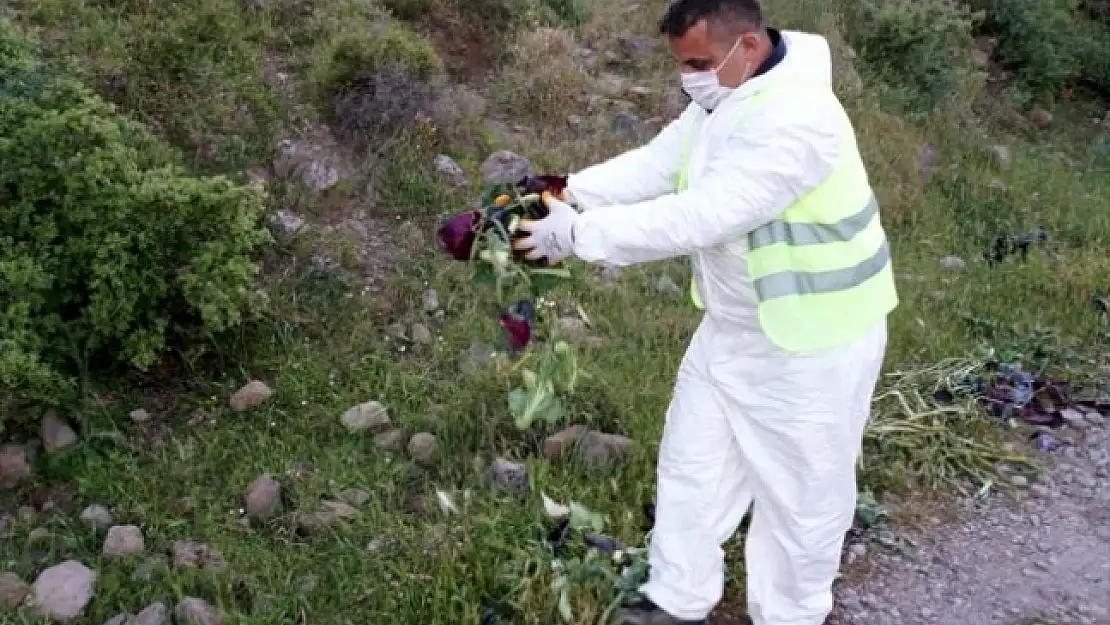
{"x":1040,"y":117}
{"x":189,"y":554}
{"x":599,"y":449}
{"x":319,"y":176}
{"x":13,"y":591}
{"x":423,"y":448}
{"x":667,"y":286}
{"x":636,"y":48}
{"x":119,"y":619}
{"x":327,"y":514}
{"x":611,"y":273}
{"x":507,"y":475}
{"x":396,"y":330}
{"x":421,"y":335}
{"x":139,"y":415}
{"x":674,"y":103}
{"x":124,"y":540}
{"x":153,"y":614}
{"x":55,"y":433}
{"x":448,"y":168}
{"x":980,"y":59}
{"x":430,"y":300}
{"x":626,"y":124}
{"x":1040,"y":491}
{"x":476,"y":356}
{"x":1073,"y":417}
{"x":355,"y":496}
{"x":286,"y":222}
{"x":505,"y":167}
{"x":390,"y":440}
{"x":263,"y":498}
{"x":192,"y":611}
{"x":366,"y":416}
{"x":254,"y":394}
{"x":1019,"y":480}
{"x":573,"y":327}
{"x":927,"y":165}
{"x":1001,"y":156}
{"x":557,"y":444}
{"x":97,"y":516}
{"x":62,"y":591}
{"x":612,"y":85}
{"x":953,"y":263}
{"x":14,"y":467}
{"x":576,"y":121}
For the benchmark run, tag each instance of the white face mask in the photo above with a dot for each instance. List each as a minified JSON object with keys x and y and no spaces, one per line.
{"x":705,"y":88}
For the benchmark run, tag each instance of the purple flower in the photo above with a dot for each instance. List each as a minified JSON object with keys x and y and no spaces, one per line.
{"x":517,"y":323}
{"x":456,"y":235}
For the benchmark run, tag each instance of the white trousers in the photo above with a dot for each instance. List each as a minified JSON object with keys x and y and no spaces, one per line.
{"x":778,"y":431}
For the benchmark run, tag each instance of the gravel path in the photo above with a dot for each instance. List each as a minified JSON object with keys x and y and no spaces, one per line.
{"x":1041,"y":557}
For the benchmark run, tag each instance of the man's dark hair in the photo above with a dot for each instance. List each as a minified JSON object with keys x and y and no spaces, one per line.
{"x":722,"y":15}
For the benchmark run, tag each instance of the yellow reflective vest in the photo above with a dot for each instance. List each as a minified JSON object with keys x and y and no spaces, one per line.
{"x":822,"y":270}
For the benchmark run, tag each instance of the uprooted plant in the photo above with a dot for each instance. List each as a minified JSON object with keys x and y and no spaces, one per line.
{"x":484,"y":237}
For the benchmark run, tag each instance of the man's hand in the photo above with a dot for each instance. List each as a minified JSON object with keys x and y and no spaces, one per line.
{"x":550,"y":238}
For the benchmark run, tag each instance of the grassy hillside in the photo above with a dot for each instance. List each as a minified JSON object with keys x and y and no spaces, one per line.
{"x":340,"y":109}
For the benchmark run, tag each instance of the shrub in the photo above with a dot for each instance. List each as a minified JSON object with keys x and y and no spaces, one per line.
{"x":1035,"y":40}
{"x":109,"y":250}
{"x":374,"y":83}
{"x":919,"y":48}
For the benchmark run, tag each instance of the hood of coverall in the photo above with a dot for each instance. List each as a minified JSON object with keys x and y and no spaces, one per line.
{"x":808,"y":58}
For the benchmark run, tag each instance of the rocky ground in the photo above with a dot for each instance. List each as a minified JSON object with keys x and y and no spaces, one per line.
{"x":1041,"y":556}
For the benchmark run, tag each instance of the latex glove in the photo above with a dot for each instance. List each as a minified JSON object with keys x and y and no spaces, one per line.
{"x":551,"y":237}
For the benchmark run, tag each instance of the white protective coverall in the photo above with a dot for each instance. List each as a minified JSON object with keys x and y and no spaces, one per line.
{"x":748,"y":421}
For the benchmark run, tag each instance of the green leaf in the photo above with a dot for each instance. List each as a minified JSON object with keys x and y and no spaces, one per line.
{"x":542,"y":283}
{"x":582,"y":518}
{"x":554,"y":412}
{"x":530,"y":379}
{"x":527,"y":405}
{"x":565,"y":610}
{"x":556,"y":272}
{"x":484,"y":274}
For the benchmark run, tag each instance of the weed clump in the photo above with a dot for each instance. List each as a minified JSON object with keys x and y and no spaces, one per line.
{"x":374,"y":84}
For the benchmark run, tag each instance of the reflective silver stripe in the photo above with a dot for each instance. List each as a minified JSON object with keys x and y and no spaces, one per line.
{"x":813,"y":234}
{"x":807,"y":283}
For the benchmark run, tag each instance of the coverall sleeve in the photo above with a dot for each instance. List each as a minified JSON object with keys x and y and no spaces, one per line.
{"x":765,"y":165}
{"x":639,"y":174}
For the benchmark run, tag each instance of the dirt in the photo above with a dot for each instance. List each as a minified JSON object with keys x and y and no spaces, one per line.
{"x":1032,"y":553}
{"x":1037,"y":555}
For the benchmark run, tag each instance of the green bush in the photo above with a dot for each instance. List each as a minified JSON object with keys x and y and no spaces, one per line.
{"x":350,"y":56}
{"x":918,"y":48}
{"x":372,"y":85}
{"x":1035,"y":40}
{"x":109,"y":250}
{"x":1052,"y":44}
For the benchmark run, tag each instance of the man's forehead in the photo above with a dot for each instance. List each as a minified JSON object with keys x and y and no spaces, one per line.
{"x":694,"y":43}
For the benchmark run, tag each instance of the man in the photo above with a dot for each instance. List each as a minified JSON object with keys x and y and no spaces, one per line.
{"x":760,"y":182}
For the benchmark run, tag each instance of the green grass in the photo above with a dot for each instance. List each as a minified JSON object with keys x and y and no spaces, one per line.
{"x":323,"y":350}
